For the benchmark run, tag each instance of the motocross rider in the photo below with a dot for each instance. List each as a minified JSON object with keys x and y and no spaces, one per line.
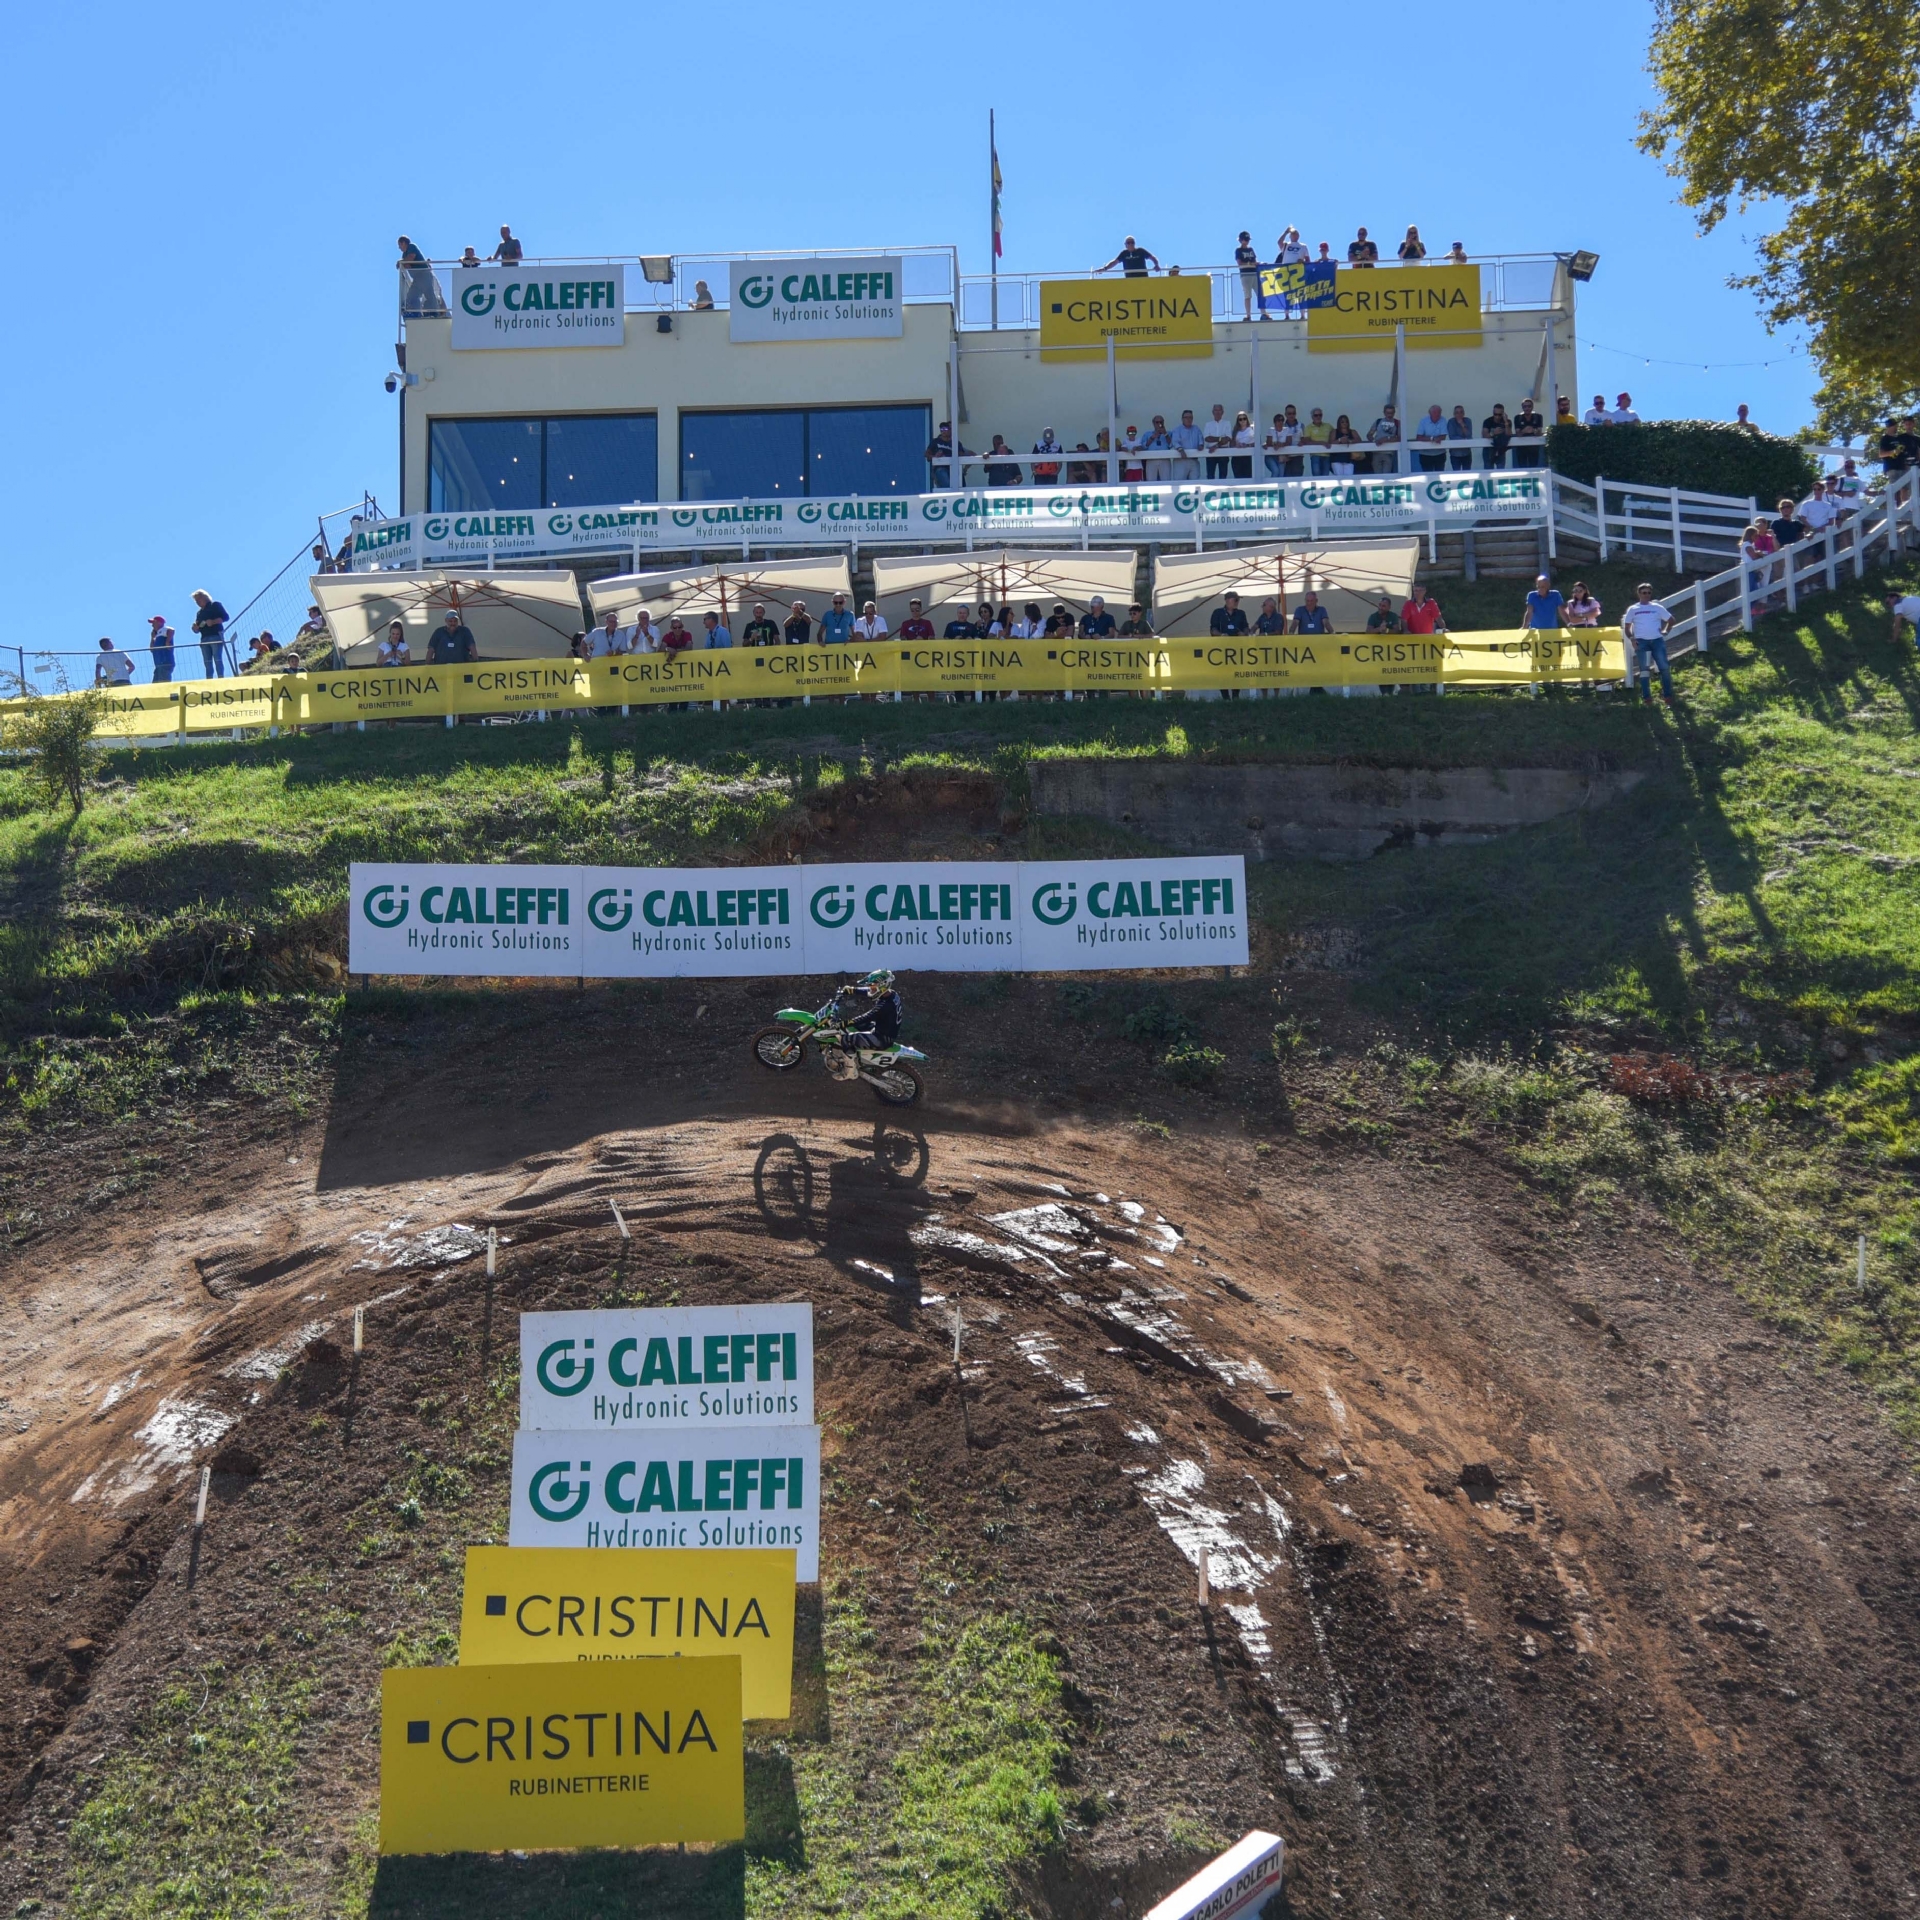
{"x":877,"y":1023}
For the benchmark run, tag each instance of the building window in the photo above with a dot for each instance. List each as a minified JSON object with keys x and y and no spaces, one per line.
{"x":801,"y":450}
{"x":574,"y":460}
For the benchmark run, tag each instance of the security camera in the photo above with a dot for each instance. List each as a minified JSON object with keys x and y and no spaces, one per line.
{"x":393,"y":383}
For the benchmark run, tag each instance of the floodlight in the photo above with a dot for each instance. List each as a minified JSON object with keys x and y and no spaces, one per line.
{"x":1580,"y":265}
{"x":657,"y":268}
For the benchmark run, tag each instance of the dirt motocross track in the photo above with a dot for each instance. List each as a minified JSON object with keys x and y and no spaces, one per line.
{"x":1546,"y":1580}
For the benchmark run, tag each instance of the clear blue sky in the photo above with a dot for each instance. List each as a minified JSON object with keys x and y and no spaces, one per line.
{"x":206,"y":198}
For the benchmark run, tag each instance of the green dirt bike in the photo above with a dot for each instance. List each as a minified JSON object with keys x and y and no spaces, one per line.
{"x":846,"y":1053}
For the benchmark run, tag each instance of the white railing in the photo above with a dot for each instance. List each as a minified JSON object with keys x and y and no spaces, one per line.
{"x":1723,"y":602}
{"x":1635,"y":517}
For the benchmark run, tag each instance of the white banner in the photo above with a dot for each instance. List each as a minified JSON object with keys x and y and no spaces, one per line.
{"x":816,"y":299}
{"x":733,"y":1487}
{"x":652,"y":1367}
{"x":989,"y":515}
{"x":1033,"y":916}
{"x":500,"y":306}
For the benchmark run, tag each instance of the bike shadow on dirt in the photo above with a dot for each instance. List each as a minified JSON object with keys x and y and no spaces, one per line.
{"x":859,"y":1206}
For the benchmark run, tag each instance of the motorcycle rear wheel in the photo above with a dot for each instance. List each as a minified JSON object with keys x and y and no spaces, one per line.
{"x":898,"y":1085}
{"x":779,"y":1048}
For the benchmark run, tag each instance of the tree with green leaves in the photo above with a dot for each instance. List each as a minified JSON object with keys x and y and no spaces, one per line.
{"x":54,"y":735}
{"x":1814,"y":106}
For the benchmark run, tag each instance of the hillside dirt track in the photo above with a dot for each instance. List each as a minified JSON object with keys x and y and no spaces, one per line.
{"x":1547,"y":1580}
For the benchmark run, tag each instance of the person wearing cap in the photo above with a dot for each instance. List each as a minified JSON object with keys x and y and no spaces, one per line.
{"x":160,"y":647}
{"x":111,"y":667}
{"x":1623,"y":414}
{"x":453,"y":644}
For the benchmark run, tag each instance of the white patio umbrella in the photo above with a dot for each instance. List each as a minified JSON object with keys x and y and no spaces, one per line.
{"x":1004,"y":576}
{"x":728,"y":589}
{"x":513,"y":616}
{"x":1348,"y":576}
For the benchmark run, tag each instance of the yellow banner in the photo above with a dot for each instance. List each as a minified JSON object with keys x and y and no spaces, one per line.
{"x":620,"y":1754}
{"x":137,"y":712}
{"x":1358,"y":660}
{"x":636,"y":1603}
{"x":212,"y":706}
{"x":1438,"y":306}
{"x":1146,"y":319}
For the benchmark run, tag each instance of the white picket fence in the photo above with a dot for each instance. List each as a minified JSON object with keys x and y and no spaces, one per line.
{"x":1631,"y":517}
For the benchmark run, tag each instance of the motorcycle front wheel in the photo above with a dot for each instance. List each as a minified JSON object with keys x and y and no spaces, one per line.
{"x":899,"y":1085}
{"x":780,"y":1048}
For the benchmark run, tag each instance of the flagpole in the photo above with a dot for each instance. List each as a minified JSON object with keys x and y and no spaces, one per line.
{"x":993,"y":217}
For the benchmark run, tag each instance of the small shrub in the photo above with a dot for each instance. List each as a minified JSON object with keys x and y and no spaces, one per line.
{"x":1657,"y":1082}
{"x":1078,"y":1000}
{"x":1289,"y":1036}
{"x":1153,"y":1023}
{"x":1193,"y":1065}
{"x":55,"y":732}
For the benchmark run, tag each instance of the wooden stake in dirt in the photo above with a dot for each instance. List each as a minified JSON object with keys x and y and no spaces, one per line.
{"x":618,"y":1221}
{"x":493,"y":1242}
{"x":1206,"y":1596}
{"x":359,"y":1327}
{"x":200,"y":1505}
{"x":956,"y":1336}
{"x":1860,"y":1272}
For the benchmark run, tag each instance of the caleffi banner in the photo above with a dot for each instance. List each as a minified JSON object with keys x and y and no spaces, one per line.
{"x":629,"y":1753}
{"x":656,"y":1367}
{"x":529,"y":1604}
{"x":934,"y":916}
{"x":681,"y":1487}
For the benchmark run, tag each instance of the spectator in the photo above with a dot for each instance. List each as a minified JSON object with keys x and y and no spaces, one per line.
{"x":1383,"y":619}
{"x":1818,"y":511}
{"x":961,"y":627}
{"x":1247,"y":258}
{"x":1082,"y":473}
{"x":871,"y":625}
{"x":760,"y":631}
{"x":1281,"y":436}
{"x":1498,"y":430}
{"x":1456,"y":255}
{"x":1342,"y":442}
{"x":1131,"y":260}
{"x":315,"y":627}
{"x":610,"y":638}
{"x":1623,"y":414}
{"x":453,"y":644}
{"x":916,"y":626}
{"x":1029,"y":625}
{"x":1316,"y":433}
{"x":676,"y":641}
{"x":1227,"y":621}
{"x":210,"y":623}
{"x":322,"y":559}
{"x":1412,"y":249}
{"x":1583,"y":610}
{"x":1326,"y":258}
{"x":259,"y":649}
{"x":1218,"y":436}
{"x":1059,"y":624}
{"x":1271,"y":620}
{"x":1136,"y":626}
{"x":1159,"y":441}
{"x":645,"y":637}
{"x":1133,"y":465}
{"x":702,"y":297}
{"x":469,"y":258}
{"x":940,"y":447}
{"x":111,"y":667}
{"x":1597,"y":414}
{"x":1741,"y":418}
{"x":836,"y":624}
{"x":1361,"y":252}
{"x":1000,"y":472}
{"x":799,"y":628}
{"x":1756,"y":549}
{"x":343,"y":560}
{"x":160,"y":647}
{"x":1292,"y":252}
{"x":1312,"y":617}
{"x":1544,"y":605}
{"x":1788,"y":527}
{"x":1046,"y":472}
{"x":1432,"y":432}
{"x":718,"y":635}
{"x":581,"y":648}
{"x":1422,"y":614}
{"x":1385,"y":434}
{"x":1243,"y":437}
{"x":1527,"y":425}
{"x":1002,"y":628}
{"x":508,"y":252}
{"x":420,"y":295}
{"x":393,"y":650}
{"x":1905,"y":608}
{"x":1459,"y":428}
{"x":1563,"y":411}
{"x":1645,"y":627}
{"x":1096,"y":623}
{"x":983,"y":622}
{"x":1187,"y":440}
{"x":1896,"y":454}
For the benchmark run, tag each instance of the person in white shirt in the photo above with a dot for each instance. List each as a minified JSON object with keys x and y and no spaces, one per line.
{"x":871,"y":625}
{"x":1819,"y":510}
{"x":1158,"y":441}
{"x":1284,"y":433}
{"x":1217,"y":437}
{"x":645,"y":636}
{"x":1906,"y":613}
{"x":1645,"y":625}
{"x":1243,"y":436}
{"x":111,"y":667}
{"x":1029,"y":626}
{"x":1293,"y":252}
{"x":610,"y":638}
{"x":1385,"y":433}
{"x":1846,"y":483}
{"x":1597,"y":414}
{"x":1623,"y":414}
{"x":394,"y":651}
{"x":1188,"y":440}
{"x":1432,"y":429}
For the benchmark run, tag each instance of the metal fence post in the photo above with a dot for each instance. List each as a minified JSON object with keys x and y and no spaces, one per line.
{"x":1600,"y":510}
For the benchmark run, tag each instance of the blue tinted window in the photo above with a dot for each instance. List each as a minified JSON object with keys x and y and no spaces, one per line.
{"x":514,"y":465}
{"x":799,"y":450}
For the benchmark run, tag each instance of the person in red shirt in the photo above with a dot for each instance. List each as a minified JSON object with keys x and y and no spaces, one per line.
{"x":1422,"y":613}
{"x":916,"y":626}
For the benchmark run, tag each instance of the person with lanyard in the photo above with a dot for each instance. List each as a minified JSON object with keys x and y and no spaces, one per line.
{"x":759,"y":631}
{"x":1246,"y":256}
{"x":160,"y":647}
{"x":1645,"y":626}
{"x":610,"y":638}
{"x":1131,"y":260}
{"x":1583,"y":610}
{"x":1544,"y":605}
{"x":1312,"y":617}
{"x":454,"y":644}
{"x":799,"y":627}
{"x":836,"y":624}
{"x":717,"y":635}
{"x":1228,"y":621}
{"x":1271,"y":620}
{"x":1096,"y":623}
{"x":210,"y":623}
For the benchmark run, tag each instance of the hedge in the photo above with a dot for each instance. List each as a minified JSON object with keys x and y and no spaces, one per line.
{"x":1705,"y":456}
